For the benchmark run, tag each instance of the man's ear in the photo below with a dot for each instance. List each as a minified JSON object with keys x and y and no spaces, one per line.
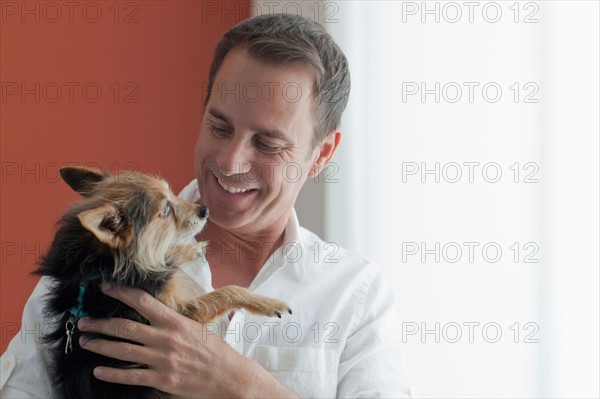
{"x":108,"y":225}
{"x":81,"y":179}
{"x":326,"y":149}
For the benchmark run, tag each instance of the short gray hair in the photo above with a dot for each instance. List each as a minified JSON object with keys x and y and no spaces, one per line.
{"x":286,"y":38}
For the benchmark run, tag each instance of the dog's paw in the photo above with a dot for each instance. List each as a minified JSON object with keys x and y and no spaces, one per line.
{"x":277,"y":312}
{"x":271,"y":307}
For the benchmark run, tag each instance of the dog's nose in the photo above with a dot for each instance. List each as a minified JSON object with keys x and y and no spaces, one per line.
{"x":203,"y":212}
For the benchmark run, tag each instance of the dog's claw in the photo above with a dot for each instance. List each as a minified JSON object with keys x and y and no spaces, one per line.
{"x":289,"y":311}
{"x":278,"y":313}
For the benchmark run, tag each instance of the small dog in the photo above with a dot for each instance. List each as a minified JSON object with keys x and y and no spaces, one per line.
{"x":129,"y":230}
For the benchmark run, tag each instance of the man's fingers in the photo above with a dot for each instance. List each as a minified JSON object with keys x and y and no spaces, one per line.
{"x":125,"y":351}
{"x":140,"y":377}
{"x":116,"y":327}
{"x":146,"y":305}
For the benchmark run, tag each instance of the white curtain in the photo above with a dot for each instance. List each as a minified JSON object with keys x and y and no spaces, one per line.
{"x":469,"y":169}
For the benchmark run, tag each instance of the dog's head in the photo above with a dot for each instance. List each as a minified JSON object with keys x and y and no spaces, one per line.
{"x":136,"y":218}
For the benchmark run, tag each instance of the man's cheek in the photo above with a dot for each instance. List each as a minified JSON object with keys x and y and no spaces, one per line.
{"x":270,"y":171}
{"x":292,"y":173}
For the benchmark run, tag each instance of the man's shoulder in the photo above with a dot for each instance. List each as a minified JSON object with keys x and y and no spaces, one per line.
{"x":334,"y":255}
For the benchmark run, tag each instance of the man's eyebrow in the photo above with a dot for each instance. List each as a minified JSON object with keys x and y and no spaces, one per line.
{"x":219,"y":115}
{"x":273,"y":133}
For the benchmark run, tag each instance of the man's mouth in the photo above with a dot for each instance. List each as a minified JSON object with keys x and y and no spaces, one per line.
{"x":233,"y":190}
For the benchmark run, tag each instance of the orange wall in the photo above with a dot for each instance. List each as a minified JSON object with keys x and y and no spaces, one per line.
{"x":149,"y":59}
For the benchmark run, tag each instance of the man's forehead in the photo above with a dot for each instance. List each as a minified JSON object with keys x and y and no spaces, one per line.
{"x":295,"y":79}
{"x":277,"y":88}
{"x":274,"y":100}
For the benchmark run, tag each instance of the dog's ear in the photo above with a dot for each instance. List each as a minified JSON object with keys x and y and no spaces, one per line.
{"x":81,"y":179}
{"x":108,"y":225}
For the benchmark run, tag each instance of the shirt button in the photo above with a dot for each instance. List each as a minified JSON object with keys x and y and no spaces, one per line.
{"x":6,"y":365}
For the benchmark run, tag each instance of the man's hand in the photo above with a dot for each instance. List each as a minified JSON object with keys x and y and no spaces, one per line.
{"x":182,"y":358}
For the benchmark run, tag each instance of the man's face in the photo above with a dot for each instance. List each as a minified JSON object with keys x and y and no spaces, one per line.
{"x":256,"y":135}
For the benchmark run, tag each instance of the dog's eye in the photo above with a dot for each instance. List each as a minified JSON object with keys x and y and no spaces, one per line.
{"x":167,"y":210}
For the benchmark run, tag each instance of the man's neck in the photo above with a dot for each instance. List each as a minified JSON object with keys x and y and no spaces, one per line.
{"x":237,"y":258}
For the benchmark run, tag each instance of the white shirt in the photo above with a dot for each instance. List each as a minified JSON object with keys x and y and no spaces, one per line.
{"x":342,"y":340}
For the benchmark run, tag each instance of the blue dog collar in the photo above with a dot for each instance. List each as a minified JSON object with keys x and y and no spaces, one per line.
{"x":76,"y":310}
{"x":77,"y":313}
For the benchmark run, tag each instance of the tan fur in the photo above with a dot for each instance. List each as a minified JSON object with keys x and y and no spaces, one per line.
{"x":224,"y":300}
{"x":184,"y":253}
{"x":92,"y":220}
{"x":172,"y":295}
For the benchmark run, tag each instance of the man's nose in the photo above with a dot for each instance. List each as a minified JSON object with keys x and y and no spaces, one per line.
{"x":235,"y":158}
{"x":203,"y":212}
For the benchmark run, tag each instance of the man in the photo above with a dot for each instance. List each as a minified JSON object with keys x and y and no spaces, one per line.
{"x":278,"y":87}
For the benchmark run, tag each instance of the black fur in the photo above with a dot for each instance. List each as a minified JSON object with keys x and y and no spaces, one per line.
{"x":74,"y":255}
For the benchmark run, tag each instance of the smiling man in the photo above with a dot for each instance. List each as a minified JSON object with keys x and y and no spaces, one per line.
{"x":278,"y":87}
{"x":248,"y":148}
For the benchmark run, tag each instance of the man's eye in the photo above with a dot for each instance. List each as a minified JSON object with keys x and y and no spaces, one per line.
{"x":218,"y":132}
{"x":265,"y":147}
{"x":167,"y":210}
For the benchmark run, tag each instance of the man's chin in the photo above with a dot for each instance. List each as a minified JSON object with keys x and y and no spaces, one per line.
{"x":230,"y":220}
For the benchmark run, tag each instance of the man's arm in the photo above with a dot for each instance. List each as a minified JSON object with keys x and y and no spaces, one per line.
{"x":182,"y":358}
{"x":372,"y":364}
{"x":24,"y":365}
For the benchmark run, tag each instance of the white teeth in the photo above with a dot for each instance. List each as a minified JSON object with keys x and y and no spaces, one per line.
{"x":232,"y":190}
